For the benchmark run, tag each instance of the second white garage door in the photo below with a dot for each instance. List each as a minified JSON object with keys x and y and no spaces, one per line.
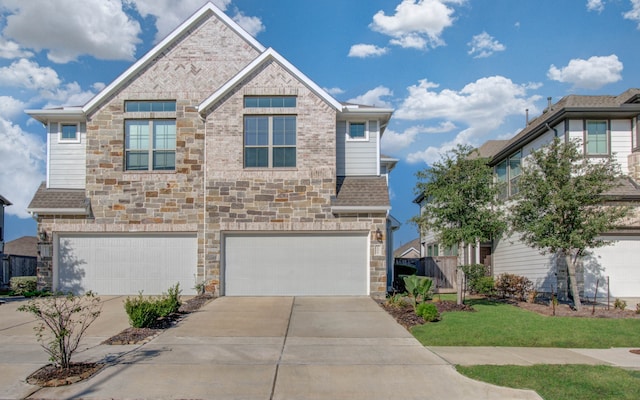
{"x":286,"y":264}
{"x":125,"y":264}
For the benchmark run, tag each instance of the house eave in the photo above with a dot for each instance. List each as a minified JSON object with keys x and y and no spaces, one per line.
{"x":57,"y":114}
{"x":58,"y":211}
{"x":359,"y":209}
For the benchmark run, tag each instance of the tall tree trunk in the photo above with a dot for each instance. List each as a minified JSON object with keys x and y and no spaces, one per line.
{"x":571,"y":268}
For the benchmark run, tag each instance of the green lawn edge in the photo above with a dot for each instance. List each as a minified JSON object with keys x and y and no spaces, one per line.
{"x":561,"y":382}
{"x":499,"y":324}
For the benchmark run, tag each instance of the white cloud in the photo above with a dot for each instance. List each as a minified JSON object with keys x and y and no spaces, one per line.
{"x":595,"y":5}
{"x":393,"y":142}
{"x":374,"y":97}
{"x":416,"y":23}
{"x":23,"y":156}
{"x":28,"y":74}
{"x":334,"y":91}
{"x":69,"y":94}
{"x":253,"y":25}
{"x":169,"y":14}
{"x":10,"y":49}
{"x":483,"y":45}
{"x":70,"y":28}
{"x":588,"y":74}
{"x":366,"y":50}
{"x":10,"y":107}
{"x":634,"y":13}
{"x":485,"y":102}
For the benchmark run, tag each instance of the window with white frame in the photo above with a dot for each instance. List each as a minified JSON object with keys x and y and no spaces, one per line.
{"x":269,"y":141}
{"x":150,"y":144}
{"x":596,"y":138}
{"x":508,"y":173}
{"x":357,"y":131}
{"x":68,"y":133}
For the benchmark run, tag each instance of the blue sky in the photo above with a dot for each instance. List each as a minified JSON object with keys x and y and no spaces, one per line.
{"x":455,"y":71}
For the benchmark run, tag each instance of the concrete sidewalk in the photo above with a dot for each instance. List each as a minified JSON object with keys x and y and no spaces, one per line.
{"x":280,"y":348}
{"x":616,"y":357}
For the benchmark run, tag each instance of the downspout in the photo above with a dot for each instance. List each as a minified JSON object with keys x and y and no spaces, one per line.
{"x":555,"y":131}
{"x":204,"y":206}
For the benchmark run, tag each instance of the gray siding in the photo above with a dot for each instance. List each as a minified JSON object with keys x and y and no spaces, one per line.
{"x":357,"y":157}
{"x":67,"y":161}
{"x":512,"y":256}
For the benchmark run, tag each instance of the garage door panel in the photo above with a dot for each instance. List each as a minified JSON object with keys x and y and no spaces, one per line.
{"x":126,"y":264}
{"x":296,"y":264}
{"x":619,"y":263}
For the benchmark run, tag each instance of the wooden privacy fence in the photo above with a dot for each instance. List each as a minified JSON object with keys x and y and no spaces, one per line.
{"x":11,"y":266}
{"x":442,"y":270}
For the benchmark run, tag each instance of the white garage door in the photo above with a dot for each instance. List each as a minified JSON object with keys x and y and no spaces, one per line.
{"x":286,"y":264}
{"x":126,"y":263}
{"x":620,"y":263}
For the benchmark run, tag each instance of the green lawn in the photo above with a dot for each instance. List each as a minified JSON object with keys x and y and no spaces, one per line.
{"x":498,"y":324}
{"x":562,"y":382}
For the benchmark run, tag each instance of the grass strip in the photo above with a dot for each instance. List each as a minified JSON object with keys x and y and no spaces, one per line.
{"x":562,"y":382}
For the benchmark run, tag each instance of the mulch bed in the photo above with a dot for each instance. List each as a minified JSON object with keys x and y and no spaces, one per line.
{"x":406,"y":316}
{"x":50,"y":375}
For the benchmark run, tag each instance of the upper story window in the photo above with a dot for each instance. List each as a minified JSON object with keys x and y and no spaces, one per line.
{"x":596,"y":138}
{"x":270,"y":102}
{"x":150,"y":144}
{"x":150,"y":106}
{"x":508,"y":174}
{"x":269,"y":141}
{"x":69,"y":133}
{"x":357,"y":131}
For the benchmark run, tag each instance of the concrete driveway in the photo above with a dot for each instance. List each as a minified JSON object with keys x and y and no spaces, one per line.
{"x":264,"y":348}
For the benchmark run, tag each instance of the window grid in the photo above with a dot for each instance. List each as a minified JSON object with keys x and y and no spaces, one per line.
{"x":150,"y":139}
{"x":150,"y":106}
{"x":69,"y":132}
{"x":596,"y":138}
{"x":357,"y":130}
{"x":270,"y":102}
{"x":269,"y":141}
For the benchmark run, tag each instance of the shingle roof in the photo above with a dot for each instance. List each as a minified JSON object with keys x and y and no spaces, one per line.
{"x":626,"y":188}
{"x":491,"y":147}
{"x":369,"y":191}
{"x":61,"y":199}
{"x":24,"y":246}
{"x":400,"y":251}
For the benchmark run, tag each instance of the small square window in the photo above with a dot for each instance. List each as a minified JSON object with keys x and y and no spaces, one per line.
{"x":357,"y":131}
{"x":69,"y":133}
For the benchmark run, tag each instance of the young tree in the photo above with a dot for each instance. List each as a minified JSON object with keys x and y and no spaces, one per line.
{"x":560,"y":207}
{"x":461,"y":200}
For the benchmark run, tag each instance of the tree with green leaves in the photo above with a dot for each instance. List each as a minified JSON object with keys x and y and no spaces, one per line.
{"x":461,"y":205}
{"x":561,"y":204}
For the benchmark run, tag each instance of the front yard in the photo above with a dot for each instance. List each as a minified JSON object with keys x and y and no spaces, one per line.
{"x":497,"y":323}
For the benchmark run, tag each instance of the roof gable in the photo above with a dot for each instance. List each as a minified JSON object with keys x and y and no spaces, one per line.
{"x":206,"y":11}
{"x":267,"y":56}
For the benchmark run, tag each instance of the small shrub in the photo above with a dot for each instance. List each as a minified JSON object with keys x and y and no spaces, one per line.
{"x":474,"y":273}
{"x":620,"y":304}
{"x":62,"y":321}
{"x":418,"y":287}
{"x":638,"y":308}
{"x":427,"y":311}
{"x":397,"y":300}
{"x":510,"y":285}
{"x":23,"y":284}
{"x":485,"y":285}
{"x":144,"y":312}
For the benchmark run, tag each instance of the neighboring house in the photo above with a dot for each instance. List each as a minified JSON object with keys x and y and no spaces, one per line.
{"x":19,"y":259}
{"x":212,"y":160}
{"x":3,"y":203}
{"x":604,"y":126}
{"x":408,"y":250}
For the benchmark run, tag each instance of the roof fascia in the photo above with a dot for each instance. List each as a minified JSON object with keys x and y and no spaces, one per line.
{"x":58,"y":211}
{"x":203,"y":12}
{"x":57,"y":114}
{"x":4,"y":201}
{"x":267,"y":55}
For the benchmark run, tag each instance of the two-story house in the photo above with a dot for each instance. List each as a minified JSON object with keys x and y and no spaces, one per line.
{"x":604,"y":126}
{"x":213,"y":160}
